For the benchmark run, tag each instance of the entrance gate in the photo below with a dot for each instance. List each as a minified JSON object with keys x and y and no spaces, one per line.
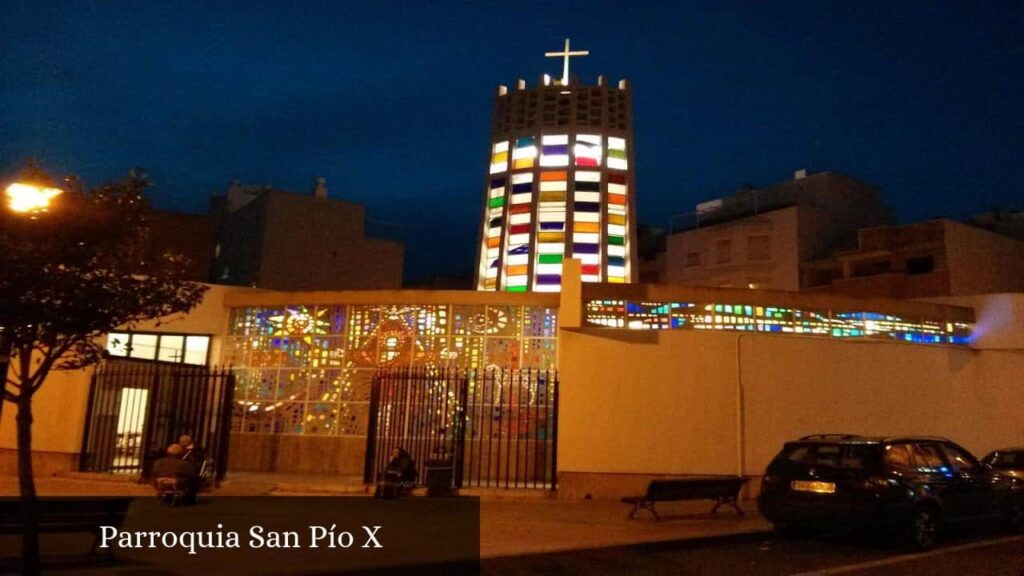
{"x":138,"y":408}
{"x":492,"y":427}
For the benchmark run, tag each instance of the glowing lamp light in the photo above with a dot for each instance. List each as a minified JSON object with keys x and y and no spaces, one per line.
{"x":28,"y":198}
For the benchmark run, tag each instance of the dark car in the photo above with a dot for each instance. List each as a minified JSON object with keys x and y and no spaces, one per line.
{"x":1008,"y":461}
{"x":912,"y":486}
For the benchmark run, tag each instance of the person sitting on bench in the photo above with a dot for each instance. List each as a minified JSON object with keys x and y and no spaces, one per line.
{"x":399,"y":475}
{"x":194,"y":454}
{"x":172,"y":467}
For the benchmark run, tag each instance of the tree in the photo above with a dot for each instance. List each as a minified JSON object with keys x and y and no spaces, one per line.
{"x":67,"y":277}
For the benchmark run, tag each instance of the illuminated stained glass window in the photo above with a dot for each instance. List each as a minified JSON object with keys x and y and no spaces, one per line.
{"x":308,"y":369}
{"x":607,"y":313}
{"x":768,"y":319}
{"x":586,"y":243}
{"x":616,"y":227}
{"x":499,"y":157}
{"x":517,"y":256}
{"x":551,"y":217}
{"x":587,"y":150}
{"x":494,"y":228}
{"x":554,"y":150}
{"x":525,"y":153}
{"x":617,"y":153}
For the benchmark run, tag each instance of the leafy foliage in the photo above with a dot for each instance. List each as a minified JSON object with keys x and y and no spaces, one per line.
{"x":81,"y":270}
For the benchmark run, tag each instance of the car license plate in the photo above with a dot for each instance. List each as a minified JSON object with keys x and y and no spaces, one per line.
{"x":813,"y":486}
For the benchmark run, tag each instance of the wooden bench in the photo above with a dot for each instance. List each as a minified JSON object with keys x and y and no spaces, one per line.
{"x":67,"y":515}
{"x":723,"y":490}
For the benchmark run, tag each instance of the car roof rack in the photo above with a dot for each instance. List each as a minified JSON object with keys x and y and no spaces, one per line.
{"x":831,"y":436}
{"x":932,"y":438}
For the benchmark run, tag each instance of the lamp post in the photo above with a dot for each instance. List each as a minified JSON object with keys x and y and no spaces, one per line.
{"x":28,"y":196}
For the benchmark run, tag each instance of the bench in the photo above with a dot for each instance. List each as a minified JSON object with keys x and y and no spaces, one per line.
{"x":67,"y":515}
{"x":722,"y":490}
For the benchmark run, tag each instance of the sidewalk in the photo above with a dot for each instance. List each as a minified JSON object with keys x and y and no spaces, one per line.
{"x":512,"y":522}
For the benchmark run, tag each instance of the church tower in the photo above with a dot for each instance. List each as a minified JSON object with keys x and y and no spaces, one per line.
{"x":559,"y":185}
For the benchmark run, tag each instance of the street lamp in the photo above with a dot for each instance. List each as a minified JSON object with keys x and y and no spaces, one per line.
{"x":29,"y":196}
{"x":32,"y":193}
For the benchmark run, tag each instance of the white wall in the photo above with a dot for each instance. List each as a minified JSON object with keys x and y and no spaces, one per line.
{"x":60,"y":404}
{"x":666,"y":402}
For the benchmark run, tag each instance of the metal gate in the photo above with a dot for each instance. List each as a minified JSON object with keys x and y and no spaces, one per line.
{"x":136,"y":409}
{"x":492,"y":427}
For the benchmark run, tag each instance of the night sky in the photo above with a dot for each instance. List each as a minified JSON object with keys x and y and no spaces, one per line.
{"x":391,"y":102}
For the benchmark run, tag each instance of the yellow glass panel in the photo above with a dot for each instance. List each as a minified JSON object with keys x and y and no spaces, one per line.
{"x":551,"y":237}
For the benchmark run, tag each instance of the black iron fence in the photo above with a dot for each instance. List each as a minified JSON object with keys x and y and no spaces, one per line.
{"x":136,"y":409}
{"x":491,"y":427}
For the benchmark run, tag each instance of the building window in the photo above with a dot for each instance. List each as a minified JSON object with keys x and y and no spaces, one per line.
{"x":723,"y":251}
{"x":758,"y":248}
{"x":171,"y":348}
{"x":920,"y":265}
{"x":692,"y":259}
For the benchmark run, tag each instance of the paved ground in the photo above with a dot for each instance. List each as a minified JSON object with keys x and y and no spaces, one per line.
{"x":756,"y":555}
{"x":529,"y":533}
{"x":512,"y":523}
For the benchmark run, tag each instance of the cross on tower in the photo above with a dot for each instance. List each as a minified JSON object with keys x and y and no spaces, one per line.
{"x":565,"y":64}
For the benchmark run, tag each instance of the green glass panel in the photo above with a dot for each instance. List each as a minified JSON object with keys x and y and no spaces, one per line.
{"x":515,"y":288}
{"x":497,"y":202}
{"x":621,"y":154}
{"x":550,"y":259}
{"x":617,"y":240}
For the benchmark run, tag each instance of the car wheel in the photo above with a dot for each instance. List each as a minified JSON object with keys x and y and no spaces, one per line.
{"x":924,"y":528}
{"x":1017,"y":519}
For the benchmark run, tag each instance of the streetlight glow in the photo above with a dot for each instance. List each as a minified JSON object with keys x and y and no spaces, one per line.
{"x":29,"y":198}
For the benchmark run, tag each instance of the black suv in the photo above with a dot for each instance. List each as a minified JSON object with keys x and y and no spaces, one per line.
{"x":914,"y":486}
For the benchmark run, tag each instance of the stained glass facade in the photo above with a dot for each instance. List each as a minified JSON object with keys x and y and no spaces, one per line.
{"x":752,"y":318}
{"x":308,"y":369}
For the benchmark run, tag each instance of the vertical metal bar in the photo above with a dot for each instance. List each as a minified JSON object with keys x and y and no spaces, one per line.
{"x":486,"y":417}
{"x":447,"y":435}
{"x":478,"y":424}
{"x":83,"y":455}
{"x":535,"y":434}
{"x":152,"y":399}
{"x":201,"y":428}
{"x":137,"y":411}
{"x":554,"y":437}
{"x":493,"y":422}
{"x":371,"y":431}
{"x":103,"y":442}
{"x":393,"y":417}
{"x":224,"y":437}
{"x":519,"y":421}
{"x":172,"y":418}
{"x":503,"y":428}
{"x":459,"y":457}
{"x":411,"y":438}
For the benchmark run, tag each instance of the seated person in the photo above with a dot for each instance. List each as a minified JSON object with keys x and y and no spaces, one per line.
{"x":399,"y":475}
{"x":172,"y":466}
{"x":193,"y":453}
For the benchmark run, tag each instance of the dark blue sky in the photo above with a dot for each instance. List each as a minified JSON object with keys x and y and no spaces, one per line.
{"x":392,"y":101}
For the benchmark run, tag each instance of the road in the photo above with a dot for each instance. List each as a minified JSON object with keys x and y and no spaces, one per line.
{"x":989,"y":554}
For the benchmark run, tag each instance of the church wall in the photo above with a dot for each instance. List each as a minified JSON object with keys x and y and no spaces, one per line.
{"x":60,"y":405}
{"x":668,"y":400}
